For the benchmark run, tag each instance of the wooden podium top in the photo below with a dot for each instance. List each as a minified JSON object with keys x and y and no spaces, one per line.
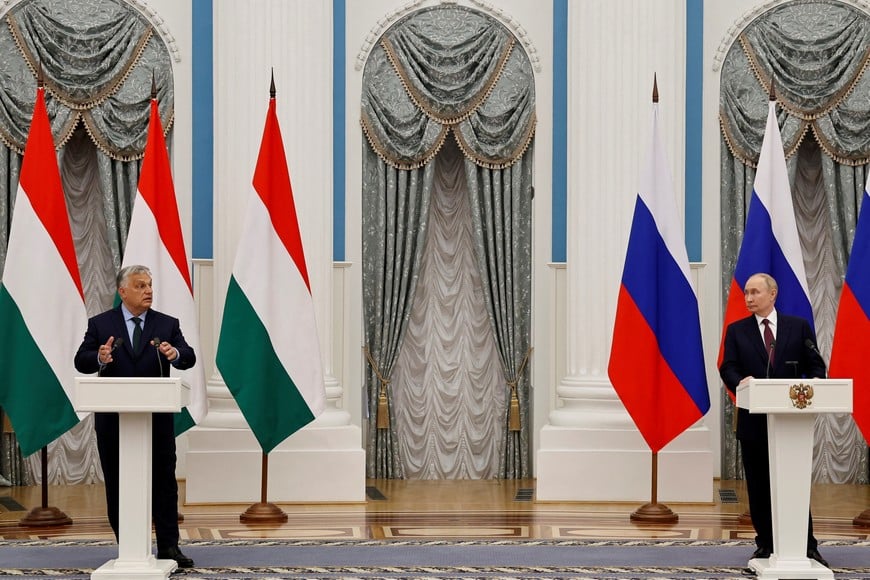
{"x":796,"y":396}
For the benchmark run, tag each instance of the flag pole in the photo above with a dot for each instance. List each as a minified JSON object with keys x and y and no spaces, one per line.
{"x":263,"y":512}
{"x":45,"y":515}
{"x":654,"y":511}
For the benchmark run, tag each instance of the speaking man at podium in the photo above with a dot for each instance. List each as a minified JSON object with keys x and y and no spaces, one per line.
{"x":766,"y":344}
{"x":132,"y":340}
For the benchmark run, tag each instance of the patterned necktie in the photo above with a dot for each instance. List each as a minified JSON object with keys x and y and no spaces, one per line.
{"x":768,"y":339}
{"x":137,"y":332}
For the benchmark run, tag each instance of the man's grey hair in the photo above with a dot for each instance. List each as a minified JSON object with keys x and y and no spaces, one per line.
{"x":768,"y":279}
{"x":126,"y":272}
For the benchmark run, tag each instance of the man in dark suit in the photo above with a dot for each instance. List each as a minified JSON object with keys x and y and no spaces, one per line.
{"x":132,"y":340}
{"x":766,"y":344}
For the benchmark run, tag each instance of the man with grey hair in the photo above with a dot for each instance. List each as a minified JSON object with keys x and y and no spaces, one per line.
{"x":132,"y":340}
{"x":766,"y":344}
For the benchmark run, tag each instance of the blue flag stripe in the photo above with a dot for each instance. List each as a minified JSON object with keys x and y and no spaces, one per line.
{"x":667,"y":302}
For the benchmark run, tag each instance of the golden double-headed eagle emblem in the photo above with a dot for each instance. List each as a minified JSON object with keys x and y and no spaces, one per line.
{"x":801,"y":395}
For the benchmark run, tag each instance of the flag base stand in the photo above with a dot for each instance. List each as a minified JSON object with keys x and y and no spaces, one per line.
{"x":863,"y":519}
{"x":263,"y":513}
{"x":657,"y":513}
{"x":43,"y":517}
{"x":654,"y":512}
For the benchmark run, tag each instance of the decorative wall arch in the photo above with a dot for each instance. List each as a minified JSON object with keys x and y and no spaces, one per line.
{"x":98,"y":59}
{"x":486,"y":7}
{"x":818,"y":51}
{"x":440,"y":70}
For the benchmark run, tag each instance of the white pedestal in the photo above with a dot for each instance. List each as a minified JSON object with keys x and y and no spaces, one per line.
{"x":315,"y":464}
{"x":609,"y":464}
{"x":790,"y":420}
{"x":134,"y":400}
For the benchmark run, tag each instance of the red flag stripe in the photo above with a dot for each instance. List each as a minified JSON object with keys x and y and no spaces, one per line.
{"x":272,"y":183}
{"x":158,"y":191}
{"x":40,"y":181}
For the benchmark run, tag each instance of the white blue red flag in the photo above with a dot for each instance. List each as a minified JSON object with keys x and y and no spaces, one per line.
{"x":770,"y":238}
{"x":849,"y":351}
{"x":657,"y":357}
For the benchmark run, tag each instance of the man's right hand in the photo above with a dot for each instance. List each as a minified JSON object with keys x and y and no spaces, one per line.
{"x":105,"y":352}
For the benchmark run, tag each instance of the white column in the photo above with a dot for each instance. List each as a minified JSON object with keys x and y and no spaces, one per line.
{"x":325,"y":460}
{"x":590,"y":449}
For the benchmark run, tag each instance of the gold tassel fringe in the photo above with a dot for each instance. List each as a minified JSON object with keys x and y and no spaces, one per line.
{"x":383,"y":411}
{"x":514,"y":414}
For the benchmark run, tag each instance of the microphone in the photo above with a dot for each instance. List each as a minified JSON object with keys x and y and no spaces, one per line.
{"x":769,"y":356}
{"x":812,"y":346}
{"x":155,"y":342}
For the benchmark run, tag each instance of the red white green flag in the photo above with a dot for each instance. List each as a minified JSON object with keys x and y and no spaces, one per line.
{"x":42,"y":307}
{"x":155,"y":240}
{"x":268,"y":352}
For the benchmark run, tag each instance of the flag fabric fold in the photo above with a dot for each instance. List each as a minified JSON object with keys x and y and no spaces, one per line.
{"x":852,"y":328}
{"x":42,"y":307}
{"x":656,"y":358}
{"x":770,"y":238}
{"x":155,"y":240}
{"x":268,"y":351}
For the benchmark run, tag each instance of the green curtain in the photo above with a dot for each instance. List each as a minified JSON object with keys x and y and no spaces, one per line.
{"x":442,"y":70}
{"x":816,"y":53}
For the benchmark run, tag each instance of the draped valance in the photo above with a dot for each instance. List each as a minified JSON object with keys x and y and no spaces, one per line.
{"x":97,"y":58}
{"x":817,"y":53}
{"x":443,"y":68}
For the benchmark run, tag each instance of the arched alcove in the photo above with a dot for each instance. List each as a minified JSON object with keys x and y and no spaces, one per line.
{"x":817,"y":51}
{"x":447,"y":73}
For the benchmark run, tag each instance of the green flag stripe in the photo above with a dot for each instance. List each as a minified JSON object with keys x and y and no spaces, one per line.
{"x":30,"y":392}
{"x":264,"y":391}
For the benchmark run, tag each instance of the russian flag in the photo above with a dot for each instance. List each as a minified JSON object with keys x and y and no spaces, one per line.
{"x":849,"y":352}
{"x":770,"y":238}
{"x":657,"y":357}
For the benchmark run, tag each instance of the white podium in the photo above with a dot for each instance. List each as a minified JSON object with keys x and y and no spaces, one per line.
{"x":134,"y":399}
{"x":791,"y":406}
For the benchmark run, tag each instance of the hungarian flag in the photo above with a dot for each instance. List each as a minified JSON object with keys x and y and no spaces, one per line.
{"x":657,"y":357}
{"x":770,"y":238}
{"x":268,"y":351}
{"x":42,"y":307}
{"x":849,"y":350}
{"x":155,"y":240}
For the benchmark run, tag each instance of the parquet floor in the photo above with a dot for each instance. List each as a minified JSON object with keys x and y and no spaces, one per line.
{"x":444,"y":509}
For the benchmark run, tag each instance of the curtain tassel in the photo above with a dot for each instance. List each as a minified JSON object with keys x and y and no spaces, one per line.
{"x":382,"y":415}
{"x":383,"y":409}
{"x":514,"y":413}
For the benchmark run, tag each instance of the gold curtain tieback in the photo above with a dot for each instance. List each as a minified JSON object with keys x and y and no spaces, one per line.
{"x":383,"y":412}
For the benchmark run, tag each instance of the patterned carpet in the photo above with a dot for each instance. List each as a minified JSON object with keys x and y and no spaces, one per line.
{"x":641,"y":559}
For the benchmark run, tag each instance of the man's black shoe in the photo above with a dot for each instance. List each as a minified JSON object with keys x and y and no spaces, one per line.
{"x":762,"y":553}
{"x":174,"y":553}
{"x":813,"y":554}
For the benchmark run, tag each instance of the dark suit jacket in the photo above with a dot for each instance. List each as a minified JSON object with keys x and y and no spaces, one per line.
{"x":146,"y":361}
{"x":745,"y":356}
